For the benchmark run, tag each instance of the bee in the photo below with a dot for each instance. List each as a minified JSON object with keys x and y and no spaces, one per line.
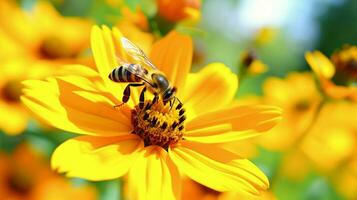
{"x":142,"y":73}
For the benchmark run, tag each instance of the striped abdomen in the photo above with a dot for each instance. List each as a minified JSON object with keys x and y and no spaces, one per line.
{"x":121,"y":74}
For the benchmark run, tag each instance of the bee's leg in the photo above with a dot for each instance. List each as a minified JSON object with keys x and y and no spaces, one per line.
{"x":126,"y":93}
{"x":182,"y":116}
{"x":142,"y":98}
{"x":172,"y":103}
{"x":154,"y":100}
{"x":179,"y":107}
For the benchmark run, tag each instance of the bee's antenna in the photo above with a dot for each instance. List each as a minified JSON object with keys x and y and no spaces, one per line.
{"x":178,"y":100}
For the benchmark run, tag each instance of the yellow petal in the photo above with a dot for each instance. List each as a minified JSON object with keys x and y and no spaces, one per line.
{"x":217,"y":168}
{"x":13,"y":119}
{"x":97,"y":158}
{"x":233,"y":123}
{"x":74,"y":30}
{"x":74,"y":104}
{"x":105,"y":51}
{"x":13,"y":48}
{"x":173,"y":56}
{"x":79,"y":70}
{"x":320,"y":64}
{"x":211,"y":88}
{"x":19,"y":26}
{"x":154,"y":176}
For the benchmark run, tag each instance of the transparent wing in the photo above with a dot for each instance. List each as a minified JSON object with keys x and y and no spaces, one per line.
{"x":136,"y":69}
{"x":136,"y":54}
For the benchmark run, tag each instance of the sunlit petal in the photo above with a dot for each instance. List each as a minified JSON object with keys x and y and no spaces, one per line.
{"x":217,"y":168}
{"x":74,"y":104}
{"x":233,"y":123}
{"x":97,"y":158}
{"x":154,"y":176}
{"x":173,"y":56}
{"x":211,"y":88}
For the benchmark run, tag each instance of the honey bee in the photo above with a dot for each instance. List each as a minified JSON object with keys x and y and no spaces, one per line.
{"x":142,"y":73}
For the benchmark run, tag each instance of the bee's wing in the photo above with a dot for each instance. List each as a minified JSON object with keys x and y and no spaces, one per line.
{"x":139,"y":71}
{"x":137,"y":55}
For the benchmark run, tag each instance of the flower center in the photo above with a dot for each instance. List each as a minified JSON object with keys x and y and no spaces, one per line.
{"x":20,"y":182}
{"x":302,"y":105}
{"x":11,"y":91}
{"x":346,"y":64}
{"x":54,"y":48}
{"x":159,"y":124}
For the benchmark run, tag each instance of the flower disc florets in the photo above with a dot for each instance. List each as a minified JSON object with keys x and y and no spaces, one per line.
{"x":158,"y":123}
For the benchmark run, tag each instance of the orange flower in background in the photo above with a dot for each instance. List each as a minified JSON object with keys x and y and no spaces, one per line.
{"x":136,"y":17}
{"x":35,"y":33}
{"x":177,"y":10}
{"x":149,"y":142}
{"x":134,"y":26}
{"x":338,"y":75}
{"x":299,"y":98}
{"x":26,"y":175}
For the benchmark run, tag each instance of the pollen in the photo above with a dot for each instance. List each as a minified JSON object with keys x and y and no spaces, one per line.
{"x":158,"y":123}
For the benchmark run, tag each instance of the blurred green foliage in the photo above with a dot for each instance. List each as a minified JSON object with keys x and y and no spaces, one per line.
{"x":338,"y":27}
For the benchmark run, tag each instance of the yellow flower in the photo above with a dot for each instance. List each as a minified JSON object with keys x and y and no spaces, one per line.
{"x":144,"y":141}
{"x":265,"y":35}
{"x":31,"y":48}
{"x":13,"y":115}
{"x":26,"y":175}
{"x":332,"y":139}
{"x":340,"y":69}
{"x":252,"y":64}
{"x":36,"y":33}
{"x":299,"y":98}
{"x":178,"y":10}
{"x":345,"y":179}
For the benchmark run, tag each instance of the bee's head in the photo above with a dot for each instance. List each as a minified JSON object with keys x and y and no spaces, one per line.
{"x":169,"y":94}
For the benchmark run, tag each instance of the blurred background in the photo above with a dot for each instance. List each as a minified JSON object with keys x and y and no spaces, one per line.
{"x":310,"y":155}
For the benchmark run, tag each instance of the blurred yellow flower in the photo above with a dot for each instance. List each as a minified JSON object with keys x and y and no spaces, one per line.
{"x":13,"y":115}
{"x":332,"y":140}
{"x":299,"y":98}
{"x":178,"y":10}
{"x":252,"y":64}
{"x":265,"y":35}
{"x":345,"y":178}
{"x":36,"y":33}
{"x":26,"y":175}
{"x":338,"y":75}
{"x":111,"y":145}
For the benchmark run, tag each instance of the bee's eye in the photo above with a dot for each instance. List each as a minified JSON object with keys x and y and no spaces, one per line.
{"x":168,"y":94}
